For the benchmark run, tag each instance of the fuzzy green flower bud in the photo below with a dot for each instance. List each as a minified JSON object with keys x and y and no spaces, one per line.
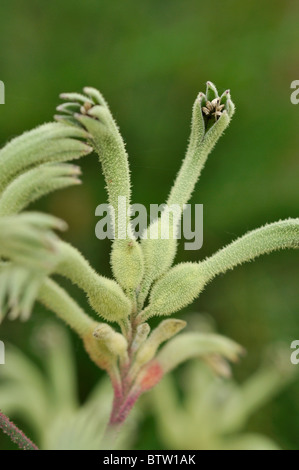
{"x":209,"y":121}
{"x":173,"y":291}
{"x":166,"y":330}
{"x":115,"y":342}
{"x":92,"y":112}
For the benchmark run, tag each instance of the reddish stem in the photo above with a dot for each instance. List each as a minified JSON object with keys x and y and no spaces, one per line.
{"x":125,"y":394}
{"x":125,"y":408}
{"x":123,"y":400}
{"x":15,"y":434}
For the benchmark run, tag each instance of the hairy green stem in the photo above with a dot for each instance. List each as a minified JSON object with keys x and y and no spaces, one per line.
{"x":58,"y":300}
{"x":276,"y":236}
{"x":105,"y":295}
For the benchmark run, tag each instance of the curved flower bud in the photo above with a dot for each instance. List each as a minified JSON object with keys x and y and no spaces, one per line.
{"x":184,"y":282}
{"x":28,"y":239}
{"x":142,"y":333}
{"x":211,"y":116}
{"x":53,"y":142}
{"x":93,"y":113}
{"x":176,"y":289}
{"x":35,"y":183}
{"x":115,"y":342}
{"x":166,"y":330}
{"x":182,"y":348}
{"x":104,"y":295}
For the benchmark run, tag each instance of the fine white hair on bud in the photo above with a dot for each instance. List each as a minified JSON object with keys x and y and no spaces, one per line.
{"x":115,"y":342}
{"x":92,"y":112}
{"x":142,"y":333}
{"x":205,"y":133}
{"x":173,"y":291}
{"x":166,"y":330}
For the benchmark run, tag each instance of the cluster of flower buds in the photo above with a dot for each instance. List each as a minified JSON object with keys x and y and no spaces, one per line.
{"x":145,"y":284}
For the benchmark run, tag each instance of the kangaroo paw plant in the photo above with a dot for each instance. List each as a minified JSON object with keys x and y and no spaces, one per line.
{"x":145,"y":282}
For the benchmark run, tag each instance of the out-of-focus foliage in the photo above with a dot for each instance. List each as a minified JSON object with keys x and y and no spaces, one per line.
{"x":212,"y":415}
{"x":47,"y":400}
{"x":29,"y":249}
{"x":202,"y":410}
{"x":149,"y":59}
{"x":215,"y":411}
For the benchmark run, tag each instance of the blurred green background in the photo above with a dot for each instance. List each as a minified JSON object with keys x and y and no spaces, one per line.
{"x":150,"y":59}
